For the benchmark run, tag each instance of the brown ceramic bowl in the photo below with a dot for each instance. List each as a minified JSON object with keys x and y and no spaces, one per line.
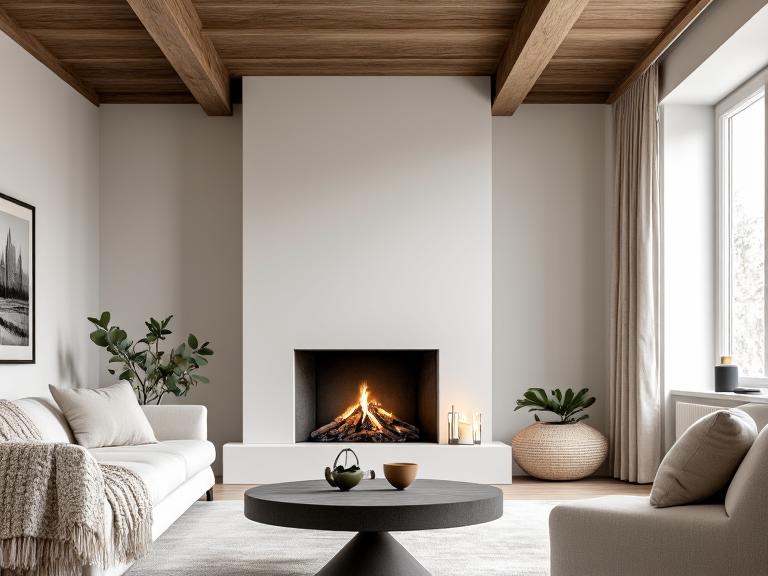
{"x":400,"y":474}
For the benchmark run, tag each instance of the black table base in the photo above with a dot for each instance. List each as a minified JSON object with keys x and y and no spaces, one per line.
{"x":373,"y":554}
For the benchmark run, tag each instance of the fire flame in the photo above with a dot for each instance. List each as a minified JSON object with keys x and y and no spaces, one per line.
{"x":366,"y":420}
{"x":364,"y":402}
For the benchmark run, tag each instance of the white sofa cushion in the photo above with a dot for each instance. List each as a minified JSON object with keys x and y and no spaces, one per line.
{"x":163,"y":466}
{"x":48,"y":418}
{"x":109,"y":416}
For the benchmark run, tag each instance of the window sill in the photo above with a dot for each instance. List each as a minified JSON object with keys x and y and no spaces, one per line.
{"x":742,"y":398}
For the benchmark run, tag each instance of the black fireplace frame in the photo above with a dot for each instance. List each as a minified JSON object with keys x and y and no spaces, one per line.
{"x":406,"y":381}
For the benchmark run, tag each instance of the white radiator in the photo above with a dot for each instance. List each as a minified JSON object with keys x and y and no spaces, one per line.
{"x":686,"y":414}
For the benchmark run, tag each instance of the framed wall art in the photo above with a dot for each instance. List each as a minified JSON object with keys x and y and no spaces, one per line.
{"x":17,"y":281}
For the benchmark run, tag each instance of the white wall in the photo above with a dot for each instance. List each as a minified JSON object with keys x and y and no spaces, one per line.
{"x":689,"y":192}
{"x":689,"y":246}
{"x":171,"y":185}
{"x":49,"y":152}
{"x":703,"y":38}
{"x":550,"y":257}
{"x":367,"y":224}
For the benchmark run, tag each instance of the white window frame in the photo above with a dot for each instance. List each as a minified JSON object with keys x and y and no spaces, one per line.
{"x":741,"y":98}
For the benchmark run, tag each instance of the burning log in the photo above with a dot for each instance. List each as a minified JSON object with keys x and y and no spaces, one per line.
{"x":366,"y":421}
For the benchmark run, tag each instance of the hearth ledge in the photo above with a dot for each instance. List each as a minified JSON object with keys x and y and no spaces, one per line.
{"x":488,"y":463}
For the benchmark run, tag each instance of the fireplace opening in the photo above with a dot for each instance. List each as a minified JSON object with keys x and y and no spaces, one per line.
{"x":366,"y":395}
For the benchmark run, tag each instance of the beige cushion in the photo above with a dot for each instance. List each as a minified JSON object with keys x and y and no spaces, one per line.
{"x":108,"y":416}
{"x":759,"y":413}
{"x":48,"y":418}
{"x":704,"y":459}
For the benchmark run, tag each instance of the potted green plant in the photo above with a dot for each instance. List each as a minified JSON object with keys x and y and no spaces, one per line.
{"x":564,"y":449}
{"x":152,"y":372}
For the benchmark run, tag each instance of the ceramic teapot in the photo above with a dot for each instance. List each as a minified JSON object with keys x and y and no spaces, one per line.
{"x":346,"y":477}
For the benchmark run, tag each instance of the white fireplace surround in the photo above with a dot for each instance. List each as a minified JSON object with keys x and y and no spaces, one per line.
{"x":366,"y":225}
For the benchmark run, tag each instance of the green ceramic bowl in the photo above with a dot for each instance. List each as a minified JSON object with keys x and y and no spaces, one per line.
{"x":347,"y":480}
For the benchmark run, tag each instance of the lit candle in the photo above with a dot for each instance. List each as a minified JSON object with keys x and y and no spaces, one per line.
{"x":453,"y":426}
{"x":465,"y":433}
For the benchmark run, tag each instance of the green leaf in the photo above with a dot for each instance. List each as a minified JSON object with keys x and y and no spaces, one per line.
{"x":111,"y":371}
{"x":171,"y":384}
{"x":542,"y":395}
{"x":99,"y":337}
{"x":126,"y":375}
{"x":104,"y":320}
{"x":116,"y":359}
{"x":568,"y":399}
{"x":116,"y":335}
{"x":580,"y":396}
{"x":192,"y":341}
{"x":166,"y":321}
{"x":205,"y":351}
{"x":200,"y":379}
{"x":199,"y":360}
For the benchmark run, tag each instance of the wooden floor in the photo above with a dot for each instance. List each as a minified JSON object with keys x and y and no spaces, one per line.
{"x":522,"y":488}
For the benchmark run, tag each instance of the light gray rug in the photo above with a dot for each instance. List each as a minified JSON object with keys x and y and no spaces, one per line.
{"x":215,"y":538}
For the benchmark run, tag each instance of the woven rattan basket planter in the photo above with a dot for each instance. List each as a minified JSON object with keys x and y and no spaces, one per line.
{"x":559,"y":451}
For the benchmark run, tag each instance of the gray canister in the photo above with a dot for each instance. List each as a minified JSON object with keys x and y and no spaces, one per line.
{"x":726,"y":375}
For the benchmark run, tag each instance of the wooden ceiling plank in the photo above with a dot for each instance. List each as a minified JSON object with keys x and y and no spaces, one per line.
{"x":565,"y":97}
{"x":355,"y":17}
{"x":36,"y":49}
{"x":672,"y":32}
{"x":74,"y":15}
{"x":175,"y":27}
{"x":655,"y":14}
{"x":394,"y":43}
{"x":360,"y":66}
{"x":147,"y":98}
{"x":540,"y":30}
{"x":77,"y":44}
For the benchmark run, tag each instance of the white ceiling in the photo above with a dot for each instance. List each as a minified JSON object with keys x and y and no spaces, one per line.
{"x":741,"y":56}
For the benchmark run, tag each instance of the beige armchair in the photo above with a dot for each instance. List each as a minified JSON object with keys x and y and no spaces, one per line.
{"x":626,"y":536}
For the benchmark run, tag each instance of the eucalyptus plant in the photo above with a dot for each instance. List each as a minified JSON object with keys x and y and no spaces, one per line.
{"x":568,"y":406}
{"x":152,"y":372}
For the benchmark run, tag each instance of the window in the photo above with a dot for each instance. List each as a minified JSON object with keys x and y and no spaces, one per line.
{"x":743,"y":298}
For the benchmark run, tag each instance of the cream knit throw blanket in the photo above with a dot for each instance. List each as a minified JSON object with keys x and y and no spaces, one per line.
{"x":52,"y":509}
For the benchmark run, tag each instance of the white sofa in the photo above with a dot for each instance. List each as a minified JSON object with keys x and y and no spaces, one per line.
{"x":177,"y":470}
{"x":625,"y":535}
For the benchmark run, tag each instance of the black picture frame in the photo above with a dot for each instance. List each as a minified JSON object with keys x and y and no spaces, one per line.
{"x":26,"y":213}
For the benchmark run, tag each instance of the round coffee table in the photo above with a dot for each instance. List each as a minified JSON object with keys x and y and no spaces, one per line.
{"x":373,"y":509}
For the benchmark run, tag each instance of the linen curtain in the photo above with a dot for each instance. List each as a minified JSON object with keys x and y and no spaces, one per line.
{"x":635,"y":382}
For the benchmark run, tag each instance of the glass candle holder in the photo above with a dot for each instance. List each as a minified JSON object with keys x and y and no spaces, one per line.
{"x":453,"y":426}
{"x":477,"y":427}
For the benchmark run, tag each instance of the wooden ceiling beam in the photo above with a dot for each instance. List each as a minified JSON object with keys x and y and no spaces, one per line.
{"x":672,"y":32}
{"x":542,"y":27}
{"x":175,"y":26}
{"x":34,"y":47}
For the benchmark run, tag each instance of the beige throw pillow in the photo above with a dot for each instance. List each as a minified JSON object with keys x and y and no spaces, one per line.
{"x":704,"y":459}
{"x":108,"y":416}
